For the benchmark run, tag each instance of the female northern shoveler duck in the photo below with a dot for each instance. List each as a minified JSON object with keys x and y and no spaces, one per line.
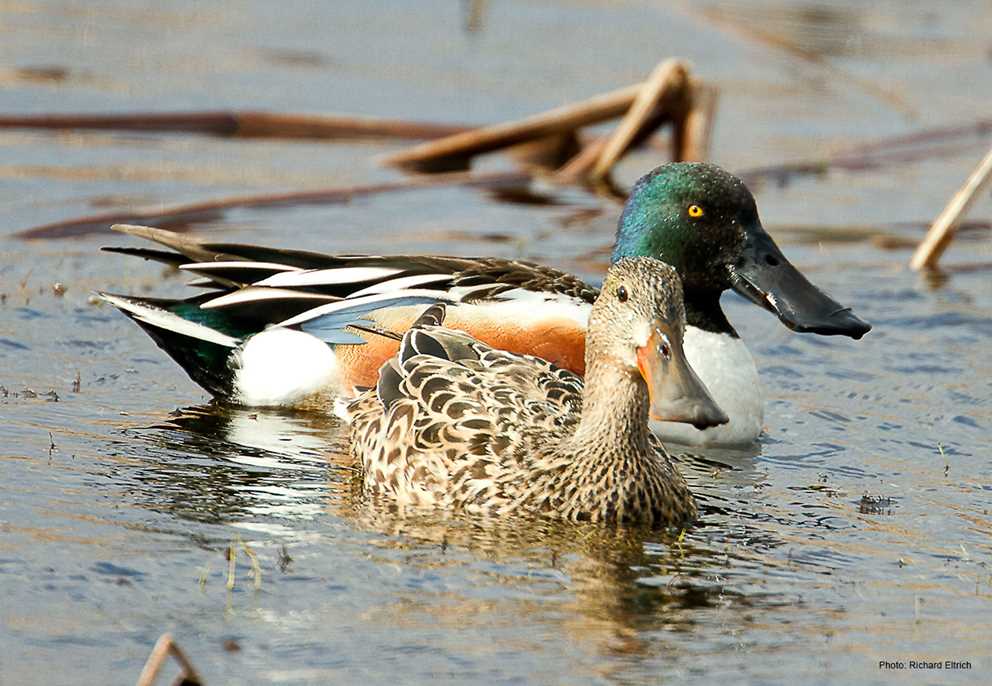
{"x":288,"y":328}
{"x":456,"y":424}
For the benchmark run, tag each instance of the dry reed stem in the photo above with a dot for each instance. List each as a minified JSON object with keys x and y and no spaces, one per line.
{"x":248,"y":124}
{"x":698,"y":124}
{"x":437,"y":154}
{"x":232,"y":566}
{"x":692,"y":121}
{"x":578,"y":167}
{"x":942,"y":231}
{"x":256,"y":568}
{"x":668,"y":78}
{"x":184,"y":214}
{"x":546,"y":153}
{"x":165,"y":646}
{"x":662,"y":98}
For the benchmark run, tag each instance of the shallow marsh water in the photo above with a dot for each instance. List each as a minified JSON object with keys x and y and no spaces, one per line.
{"x":120,"y":499}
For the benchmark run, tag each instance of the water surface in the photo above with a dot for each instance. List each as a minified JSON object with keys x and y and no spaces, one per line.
{"x":121,"y":498}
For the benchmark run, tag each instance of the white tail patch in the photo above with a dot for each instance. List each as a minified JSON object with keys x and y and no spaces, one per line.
{"x":254,"y":293}
{"x":164,"y":319}
{"x":327,"y":277}
{"x":283,"y":367}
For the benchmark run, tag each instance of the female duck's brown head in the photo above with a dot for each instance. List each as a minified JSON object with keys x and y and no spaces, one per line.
{"x":637,"y":324}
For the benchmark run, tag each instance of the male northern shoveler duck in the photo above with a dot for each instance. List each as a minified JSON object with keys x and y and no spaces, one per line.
{"x":288,"y":328}
{"x":457,"y":424}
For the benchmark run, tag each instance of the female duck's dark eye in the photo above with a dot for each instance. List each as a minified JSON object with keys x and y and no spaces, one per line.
{"x":622,"y":294}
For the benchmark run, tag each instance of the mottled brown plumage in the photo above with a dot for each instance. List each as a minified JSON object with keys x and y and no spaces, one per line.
{"x":453,"y":423}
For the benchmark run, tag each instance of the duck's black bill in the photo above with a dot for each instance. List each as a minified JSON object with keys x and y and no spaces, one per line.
{"x":765,"y":277}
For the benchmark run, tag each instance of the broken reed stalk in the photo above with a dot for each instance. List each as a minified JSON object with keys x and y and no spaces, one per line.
{"x":247,"y":124}
{"x":550,"y":152}
{"x":697,"y":127}
{"x":256,"y":568}
{"x":669,"y":95}
{"x":666,"y":96}
{"x":668,"y":80}
{"x":232,"y":566}
{"x":164,"y":647}
{"x":457,"y":149}
{"x":942,"y":231}
{"x":548,"y":139}
{"x":183,"y":214}
{"x":578,"y":167}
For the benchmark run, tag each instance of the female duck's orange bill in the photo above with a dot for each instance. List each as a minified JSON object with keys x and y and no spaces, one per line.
{"x":677,"y":394}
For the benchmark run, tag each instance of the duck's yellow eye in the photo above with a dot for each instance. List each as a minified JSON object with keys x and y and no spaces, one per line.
{"x":695,"y":211}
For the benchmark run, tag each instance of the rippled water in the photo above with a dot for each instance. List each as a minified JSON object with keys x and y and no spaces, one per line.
{"x":857,"y":530}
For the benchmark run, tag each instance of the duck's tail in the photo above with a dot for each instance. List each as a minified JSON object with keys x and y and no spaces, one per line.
{"x":201,"y":341}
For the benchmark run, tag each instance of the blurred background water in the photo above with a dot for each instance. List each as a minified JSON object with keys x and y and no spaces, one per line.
{"x":119,"y":499}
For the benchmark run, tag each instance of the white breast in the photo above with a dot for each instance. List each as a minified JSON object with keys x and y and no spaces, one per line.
{"x":726,"y":367}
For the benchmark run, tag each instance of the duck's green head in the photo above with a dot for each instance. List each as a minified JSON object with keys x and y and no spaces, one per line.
{"x":704,"y":222}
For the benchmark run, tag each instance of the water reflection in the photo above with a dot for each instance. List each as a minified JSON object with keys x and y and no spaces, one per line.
{"x":103,"y":542}
{"x":220,"y":461}
{"x":819,"y":29}
{"x":219,"y":465}
{"x":607,"y":589}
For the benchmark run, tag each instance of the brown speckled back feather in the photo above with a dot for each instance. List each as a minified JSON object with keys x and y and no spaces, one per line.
{"x":454,"y":423}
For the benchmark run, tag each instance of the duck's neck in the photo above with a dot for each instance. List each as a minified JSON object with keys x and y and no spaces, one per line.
{"x":614,"y":422}
{"x":614,"y":472}
{"x":703,"y":311}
